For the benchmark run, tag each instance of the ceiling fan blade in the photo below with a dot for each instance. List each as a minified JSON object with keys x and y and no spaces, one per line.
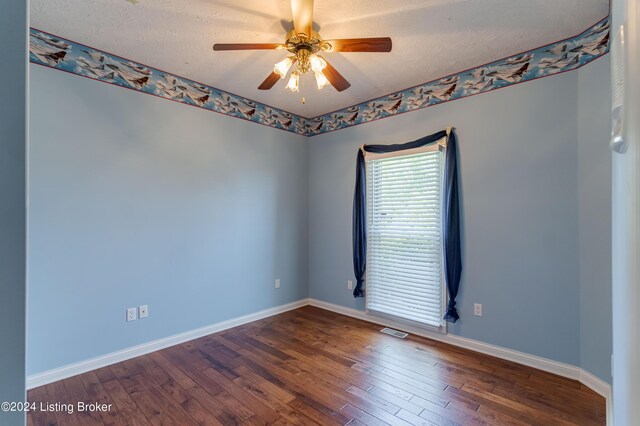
{"x":245,"y":46}
{"x":335,"y":78}
{"x":373,"y":44}
{"x":269,"y":82}
{"x":302,"y":11}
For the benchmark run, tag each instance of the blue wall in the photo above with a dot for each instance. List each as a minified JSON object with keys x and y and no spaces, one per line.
{"x":136,"y":200}
{"x":13,"y":140}
{"x":519,"y":199}
{"x":594,"y":197}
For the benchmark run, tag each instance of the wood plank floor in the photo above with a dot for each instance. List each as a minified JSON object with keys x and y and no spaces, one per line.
{"x":314,"y":367}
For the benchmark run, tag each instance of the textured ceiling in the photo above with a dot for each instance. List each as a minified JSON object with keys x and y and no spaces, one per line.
{"x":431,"y":38}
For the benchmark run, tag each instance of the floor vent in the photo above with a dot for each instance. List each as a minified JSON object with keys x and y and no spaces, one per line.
{"x":394,"y":333}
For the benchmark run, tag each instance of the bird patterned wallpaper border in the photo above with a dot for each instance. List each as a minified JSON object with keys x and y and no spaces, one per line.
{"x":566,"y":55}
{"x":548,"y":60}
{"x":65,"y":55}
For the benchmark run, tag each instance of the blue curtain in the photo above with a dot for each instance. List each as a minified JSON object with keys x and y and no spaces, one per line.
{"x":451,"y":215}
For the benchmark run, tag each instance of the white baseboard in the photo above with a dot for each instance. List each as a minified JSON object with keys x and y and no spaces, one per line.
{"x":600,"y":387}
{"x":70,"y":370}
{"x":561,"y":369}
{"x":565,"y":370}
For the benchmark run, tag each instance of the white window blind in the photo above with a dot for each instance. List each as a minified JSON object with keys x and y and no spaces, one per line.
{"x":404,"y":256}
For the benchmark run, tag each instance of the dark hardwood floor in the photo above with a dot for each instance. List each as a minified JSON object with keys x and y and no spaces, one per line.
{"x":311,"y":366}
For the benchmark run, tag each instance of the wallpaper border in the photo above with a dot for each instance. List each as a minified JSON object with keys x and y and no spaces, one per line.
{"x":555,"y":58}
{"x":565,"y":55}
{"x":56,"y":52}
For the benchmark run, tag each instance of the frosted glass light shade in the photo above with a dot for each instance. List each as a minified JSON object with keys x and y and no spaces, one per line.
{"x":321,"y":80}
{"x":317,"y":63}
{"x":282,"y":67}
{"x":294,"y":82}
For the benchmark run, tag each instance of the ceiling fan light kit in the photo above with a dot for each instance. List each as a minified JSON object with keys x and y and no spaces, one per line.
{"x":304,"y":44}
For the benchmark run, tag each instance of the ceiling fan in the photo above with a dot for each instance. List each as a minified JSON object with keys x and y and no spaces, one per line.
{"x":304,"y":44}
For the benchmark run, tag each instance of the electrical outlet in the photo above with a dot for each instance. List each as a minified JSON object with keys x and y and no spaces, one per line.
{"x":132,"y":314}
{"x":477,"y":309}
{"x":143,"y":311}
{"x":278,"y":283}
{"x":349,"y":285}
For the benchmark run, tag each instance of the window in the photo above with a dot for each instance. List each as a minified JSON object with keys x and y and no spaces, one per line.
{"x":404,"y":235}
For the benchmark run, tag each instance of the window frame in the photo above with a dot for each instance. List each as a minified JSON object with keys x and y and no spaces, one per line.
{"x":439,"y":145}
